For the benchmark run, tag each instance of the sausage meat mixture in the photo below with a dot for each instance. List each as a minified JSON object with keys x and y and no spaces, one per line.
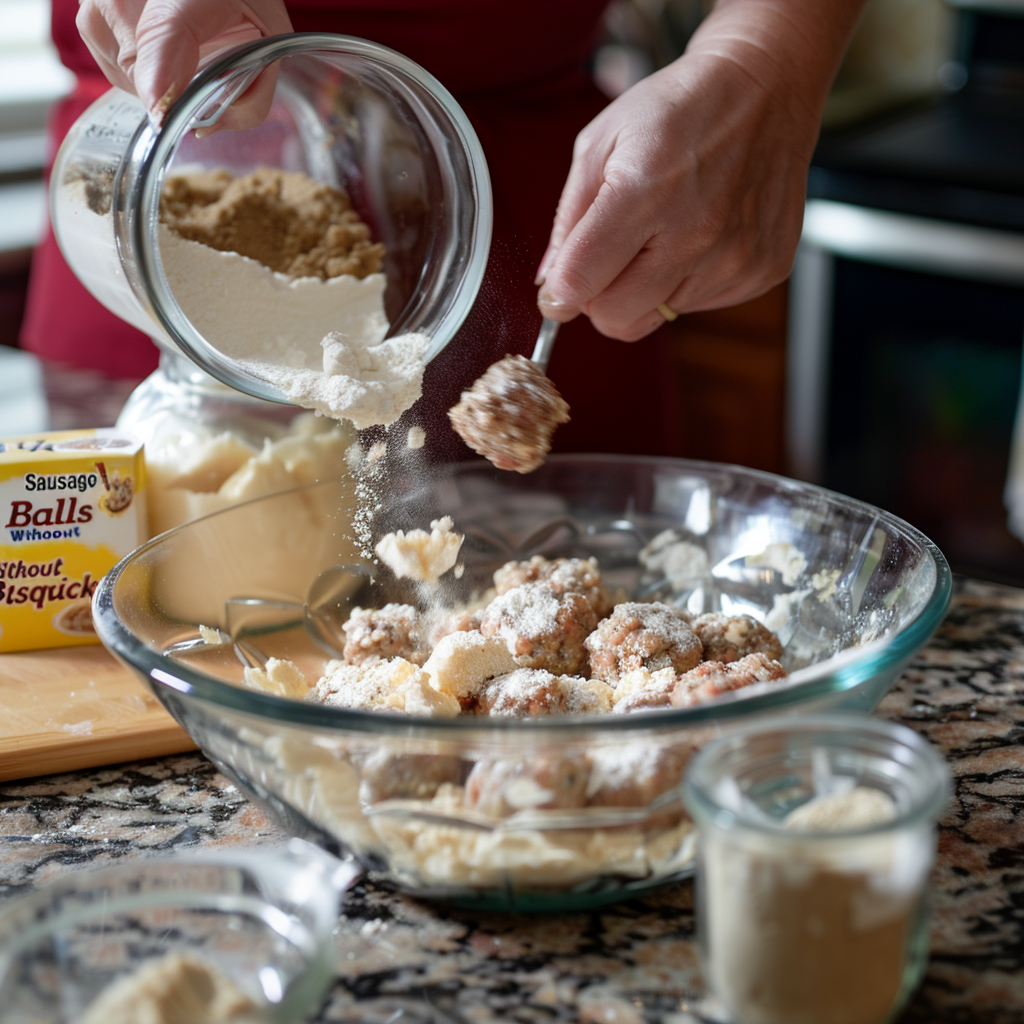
{"x":548,"y":640}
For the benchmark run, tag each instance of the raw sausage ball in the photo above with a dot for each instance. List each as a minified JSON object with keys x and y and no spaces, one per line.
{"x":542,"y":783}
{"x":731,"y":637}
{"x":634,"y":775}
{"x":713,"y":678}
{"x":389,"y":776}
{"x":542,"y":629}
{"x":649,"y":636}
{"x":640,"y":690}
{"x":509,"y":414}
{"x":533,"y":691}
{"x":458,"y":620}
{"x":376,"y":634}
{"x":566,"y":575}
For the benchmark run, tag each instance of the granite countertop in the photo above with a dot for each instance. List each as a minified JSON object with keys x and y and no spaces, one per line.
{"x":403,"y":960}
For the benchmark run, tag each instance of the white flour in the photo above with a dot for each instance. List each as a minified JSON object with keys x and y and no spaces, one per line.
{"x":321,"y":341}
{"x":419,"y":555}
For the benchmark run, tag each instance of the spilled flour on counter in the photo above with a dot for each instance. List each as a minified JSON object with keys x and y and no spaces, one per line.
{"x":78,"y":728}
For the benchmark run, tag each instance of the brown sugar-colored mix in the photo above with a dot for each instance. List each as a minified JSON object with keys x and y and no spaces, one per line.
{"x":282,"y":219}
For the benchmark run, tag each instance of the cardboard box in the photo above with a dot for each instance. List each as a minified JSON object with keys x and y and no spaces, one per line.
{"x":72,"y":504}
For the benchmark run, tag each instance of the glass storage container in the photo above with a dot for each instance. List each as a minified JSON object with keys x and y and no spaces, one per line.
{"x":816,"y":836}
{"x":346,"y":112}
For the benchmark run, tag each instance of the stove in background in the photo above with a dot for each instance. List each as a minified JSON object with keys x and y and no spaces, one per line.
{"x":907,"y":304}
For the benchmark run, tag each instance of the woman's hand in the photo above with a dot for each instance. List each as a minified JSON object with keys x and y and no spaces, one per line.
{"x":687,"y":192}
{"x":153,"y":47}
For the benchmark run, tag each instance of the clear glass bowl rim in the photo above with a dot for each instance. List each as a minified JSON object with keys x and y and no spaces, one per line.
{"x":805,"y":685}
{"x":925,"y":805}
{"x":159,"y":145}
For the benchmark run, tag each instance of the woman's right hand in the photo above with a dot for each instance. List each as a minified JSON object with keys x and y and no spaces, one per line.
{"x":687,"y":192}
{"x":153,"y":47}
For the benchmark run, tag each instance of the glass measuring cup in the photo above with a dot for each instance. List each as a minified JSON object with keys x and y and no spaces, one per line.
{"x":347,"y":112}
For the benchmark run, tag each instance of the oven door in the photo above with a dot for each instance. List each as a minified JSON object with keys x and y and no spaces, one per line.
{"x":904,"y":375}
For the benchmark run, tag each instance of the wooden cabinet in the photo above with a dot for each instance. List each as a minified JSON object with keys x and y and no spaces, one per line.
{"x":730,"y":367}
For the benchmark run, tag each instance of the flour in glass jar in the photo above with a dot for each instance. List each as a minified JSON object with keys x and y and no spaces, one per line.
{"x":278,"y":273}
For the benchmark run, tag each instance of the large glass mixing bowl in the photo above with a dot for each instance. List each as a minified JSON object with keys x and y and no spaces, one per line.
{"x":852,"y":591}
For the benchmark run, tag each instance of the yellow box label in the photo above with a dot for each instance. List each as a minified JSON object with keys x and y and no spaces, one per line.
{"x":72,"y":504}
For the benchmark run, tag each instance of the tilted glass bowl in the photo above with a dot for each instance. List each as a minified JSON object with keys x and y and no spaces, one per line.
{"x":852,"y":591}
{"x":346,"y":112}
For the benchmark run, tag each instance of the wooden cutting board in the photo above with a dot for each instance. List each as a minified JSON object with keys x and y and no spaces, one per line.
{"x":77,"y":707}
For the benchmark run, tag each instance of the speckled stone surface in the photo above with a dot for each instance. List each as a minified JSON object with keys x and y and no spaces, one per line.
{"x":404,"y":961}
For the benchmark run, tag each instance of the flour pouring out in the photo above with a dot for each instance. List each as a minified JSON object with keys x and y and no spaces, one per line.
{"x":320,"y":337}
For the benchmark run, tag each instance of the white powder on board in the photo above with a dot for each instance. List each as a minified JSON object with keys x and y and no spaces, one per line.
{"x":78,"y":728}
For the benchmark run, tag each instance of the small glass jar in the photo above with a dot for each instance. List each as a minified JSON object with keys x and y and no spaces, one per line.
{"x":816,"y":840}
{"x":346,"y":112}
{"x":209,"y":447}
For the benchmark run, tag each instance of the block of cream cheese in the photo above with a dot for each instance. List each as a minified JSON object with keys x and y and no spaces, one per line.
{"x":72,"y":504}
